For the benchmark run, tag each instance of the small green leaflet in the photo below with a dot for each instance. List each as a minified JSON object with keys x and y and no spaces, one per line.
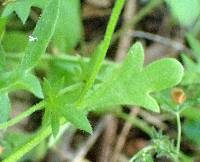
{"x":54,"y":102}
{"x":14,"y":80}
{"x":57,"y":108}
{"x":69,"y":27}
{"x":41,"y":35}
{"x":132,"y":84}
{"x":30,"y":83}
{"x":77,"y":117}
{"x":22,"y":8}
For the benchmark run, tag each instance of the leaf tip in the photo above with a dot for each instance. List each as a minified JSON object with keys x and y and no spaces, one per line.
{"x":138,"y":48}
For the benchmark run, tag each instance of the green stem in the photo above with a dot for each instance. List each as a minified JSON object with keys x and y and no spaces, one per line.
{"x":70,"y":88}
{"x":179,"y":134}
{"x":136,"y":122}
{"x":61,"y":57}
{"x":34,"y":141}
{"x":19,"y":153}
{"x":104,"y":48}
{"x":23,"y":115}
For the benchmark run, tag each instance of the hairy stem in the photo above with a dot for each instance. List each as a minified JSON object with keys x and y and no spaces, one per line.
{"x":65,"y":58}
{"x":23,"y":115}
{"x":19,"y":153}
{"x":34,"y":141}
{"x":179,"y":134}
{"x":70,"y":88}
{"x":36,"y":107}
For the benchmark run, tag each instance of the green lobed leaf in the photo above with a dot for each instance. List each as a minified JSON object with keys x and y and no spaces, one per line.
{"x":77,"y":117}
{"x":14,"y":80}
{"x":5,"y":108}
{"x":54,"y":102}
{"x":31,"y":83}
{"x":41,"y":35}
{"x":57,"y":107}
{"x":69,"y":27}
{"x":22,"y":8}
{"x":132,"y":84}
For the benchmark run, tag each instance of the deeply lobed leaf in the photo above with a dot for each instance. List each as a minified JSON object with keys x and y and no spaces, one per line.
{"x":41,"y":35}
{"x":22,"y":8}
{"x":132,"y":84}
{"x":57,"y":107}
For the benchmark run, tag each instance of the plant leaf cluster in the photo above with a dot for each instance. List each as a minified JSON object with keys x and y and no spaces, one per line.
{"x":72,"y":98}
{"x":21,"y":78}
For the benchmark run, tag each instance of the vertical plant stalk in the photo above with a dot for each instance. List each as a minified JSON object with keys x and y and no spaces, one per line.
{"x":19,"y":153}
{"x":179,"y":134}
{"x":23,"y":115}
{"x":104,"y":48}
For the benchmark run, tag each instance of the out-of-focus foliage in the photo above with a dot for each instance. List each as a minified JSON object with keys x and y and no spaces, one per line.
{"x":186,"y":11}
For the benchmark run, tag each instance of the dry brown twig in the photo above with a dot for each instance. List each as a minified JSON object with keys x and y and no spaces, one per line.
{"x":152,"y":119}
{"x":108,"y":138}
{"x":157,"y":38}
{"x":123,"y":136}
{"x":89,"y":143}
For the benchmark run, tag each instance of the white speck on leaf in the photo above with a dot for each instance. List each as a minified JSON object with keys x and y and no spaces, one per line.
{"x":32,"y":38}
